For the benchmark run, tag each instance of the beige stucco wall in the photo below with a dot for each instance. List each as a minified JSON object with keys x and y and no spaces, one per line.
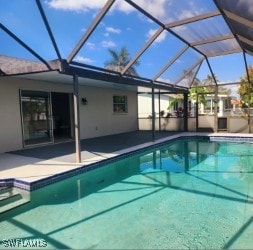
{"x":167,"y":124}
{"x":238,"y":124}
{"x":96,"y":118}
{"x":206,"y":121}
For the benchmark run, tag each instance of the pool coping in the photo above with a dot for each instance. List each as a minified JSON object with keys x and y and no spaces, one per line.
{"x":118,"y":155}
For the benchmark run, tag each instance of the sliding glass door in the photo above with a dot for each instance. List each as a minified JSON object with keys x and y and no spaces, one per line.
{"x":36,"y":117}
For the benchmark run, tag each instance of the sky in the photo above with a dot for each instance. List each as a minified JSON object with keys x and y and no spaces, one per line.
{"x":122,"y":26}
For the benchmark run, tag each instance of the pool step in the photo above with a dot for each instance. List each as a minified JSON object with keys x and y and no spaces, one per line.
{"x":10,"y":198}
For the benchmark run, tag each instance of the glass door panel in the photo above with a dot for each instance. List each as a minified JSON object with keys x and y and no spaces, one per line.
{"x":36,"y":117}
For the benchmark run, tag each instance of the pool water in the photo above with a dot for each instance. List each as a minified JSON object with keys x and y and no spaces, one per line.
{"x":189,"y":194}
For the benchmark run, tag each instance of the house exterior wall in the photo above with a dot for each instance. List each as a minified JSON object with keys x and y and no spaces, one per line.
{"x":96,"y":119}
{"x":145,"y":104}
{"x":238,"y":124}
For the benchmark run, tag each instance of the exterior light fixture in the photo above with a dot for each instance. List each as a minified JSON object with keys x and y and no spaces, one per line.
{"x":84,"y":101}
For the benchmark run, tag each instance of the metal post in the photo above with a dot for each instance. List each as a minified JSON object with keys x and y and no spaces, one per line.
{"x":249,"y":89}
{"x":185,"y":112}
{"x":153,"y":114}
{"x":197,"y":113}
{"x":249,"y":93}
{"x":159,"y":98}
{"x":77,"y":119}
{"x":216,"y":109}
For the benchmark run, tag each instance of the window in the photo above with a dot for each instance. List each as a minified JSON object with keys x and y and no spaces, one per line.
{"x":119,"y":104}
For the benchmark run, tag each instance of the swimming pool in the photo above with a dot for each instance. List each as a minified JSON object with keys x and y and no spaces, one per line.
{"x":186,"y":194}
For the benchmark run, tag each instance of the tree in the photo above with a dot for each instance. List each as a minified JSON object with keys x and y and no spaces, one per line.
{"x":200,"y":91}
{"x":210,"y":83}
{"x":246,"y":89}
{"x":196,"y":89}
{"x":120,"y":60}
{"x":178,"y":98}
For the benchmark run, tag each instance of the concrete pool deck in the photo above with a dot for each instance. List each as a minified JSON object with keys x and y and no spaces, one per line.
{"x":35,"y":164}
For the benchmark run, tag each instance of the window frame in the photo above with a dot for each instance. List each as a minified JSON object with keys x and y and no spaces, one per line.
{"x":120,"y":107}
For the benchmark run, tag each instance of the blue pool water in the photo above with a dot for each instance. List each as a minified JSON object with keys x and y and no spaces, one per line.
{"x":189,"y":194}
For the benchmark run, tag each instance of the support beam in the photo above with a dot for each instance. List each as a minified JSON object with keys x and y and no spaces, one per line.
{"x":153,"y":113}
{"x":245,"y":40}
{"x":170,"y":63}
{"x":146,"y":13}
{"x":77,"y":119}
{"x":159,"y":106}
{"x":189,"y":70}
{"x":213,"y":40}
{"x":149,"y":42}
{"x":211,"y":70}
{"x":249,"y":95}
{"x":90,"y":30}
{"x":249,"y":52}
{"x":185,"y":112}
{"x":192,"y":19}
{"x":249,"y":83}
{"x":50,"y":33}
{"x":246,"y":67}
{"x":227,"y":15}
{"x":197,"y":111}
{"x":224,"y":53}
{"x":238,"y":19}
{"x":197,"y":71}
{"x":216,"y":109}
{"x":12,"y":35}
{"x":90,"y":74}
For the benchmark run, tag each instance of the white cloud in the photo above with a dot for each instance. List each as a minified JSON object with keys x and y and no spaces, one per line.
{"x":156,"y":7}
{"x":90,"y":45}
{"x":83,"y":59}
{"x":178,"y":61}
{"x":108,"y":44}
{"x":83,"y":30}
{"x":187,"y":14}
{"x":123,"y":6}
{"x":76,"y":5}
{"x":159,"y":39}
{"x":113,"y":30}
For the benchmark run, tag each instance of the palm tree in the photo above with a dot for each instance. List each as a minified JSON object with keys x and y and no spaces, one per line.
{"x":120,"y":60}
{"x":210,"y":83}
{"x":209,"y":80}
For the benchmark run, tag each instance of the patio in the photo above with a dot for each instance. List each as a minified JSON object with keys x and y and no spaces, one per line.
{"x":35,"y":164}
